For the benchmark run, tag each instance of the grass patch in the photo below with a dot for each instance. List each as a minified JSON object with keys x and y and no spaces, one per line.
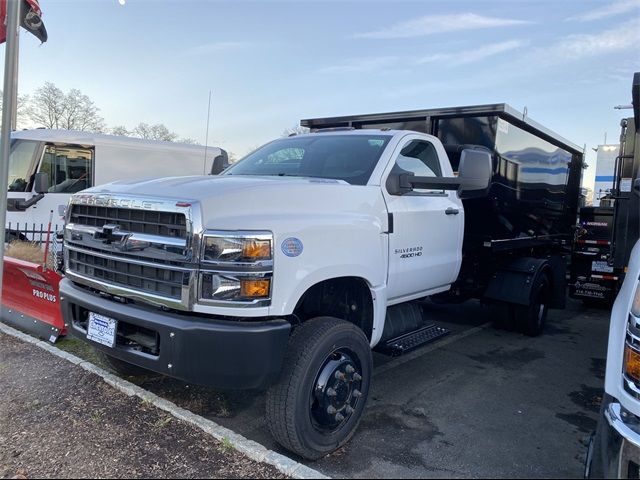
{"x":162,"y":422}
{"x":29,"y":252}
{"x":80,"y":349}
{"x":225,"y":445}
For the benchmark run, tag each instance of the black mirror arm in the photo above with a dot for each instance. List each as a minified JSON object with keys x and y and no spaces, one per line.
{"x":19,"y":204}
{"x":435,"y":183}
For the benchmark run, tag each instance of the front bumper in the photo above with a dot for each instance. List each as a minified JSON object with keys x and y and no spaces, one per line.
{"x":615,"y":451}
{"x":194,"y":348}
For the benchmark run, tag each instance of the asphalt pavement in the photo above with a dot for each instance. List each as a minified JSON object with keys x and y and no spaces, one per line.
{"x":478,"y":403}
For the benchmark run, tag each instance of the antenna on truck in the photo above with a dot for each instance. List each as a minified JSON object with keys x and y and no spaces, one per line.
{"x":206,"y":140}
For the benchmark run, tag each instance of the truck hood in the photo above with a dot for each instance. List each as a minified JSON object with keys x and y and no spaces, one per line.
{"x":199,"y":188}
{"x":256,"y":202}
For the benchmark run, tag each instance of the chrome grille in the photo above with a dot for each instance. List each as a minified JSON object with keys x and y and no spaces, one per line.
{"x":133,"y":247}
{"x":144,"y":278}
{"x":166,"y":224}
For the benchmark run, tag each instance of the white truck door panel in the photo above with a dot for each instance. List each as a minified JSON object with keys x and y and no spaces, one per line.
{"x":426,"y":243}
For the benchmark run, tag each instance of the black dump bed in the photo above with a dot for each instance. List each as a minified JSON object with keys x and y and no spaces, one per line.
{"x":535,"y":192}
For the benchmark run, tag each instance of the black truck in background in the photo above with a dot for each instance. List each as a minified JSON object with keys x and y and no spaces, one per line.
{"x":606,"y":235}
{"x":524,"y":226}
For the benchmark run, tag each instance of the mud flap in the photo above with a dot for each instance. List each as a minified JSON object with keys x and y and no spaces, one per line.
{"x":31,"y":299}
{"x":512,"y":283}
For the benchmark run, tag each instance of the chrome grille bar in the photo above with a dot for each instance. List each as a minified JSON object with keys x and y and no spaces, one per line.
{"x":133,"y":247}
{"x":145,"y":278}
{"x":166,"y":224}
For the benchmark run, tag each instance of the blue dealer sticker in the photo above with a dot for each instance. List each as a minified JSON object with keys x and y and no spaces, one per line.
{"x":292,"y":247}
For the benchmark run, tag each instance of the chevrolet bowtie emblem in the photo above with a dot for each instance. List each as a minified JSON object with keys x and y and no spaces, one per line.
{"x":110,"y":233}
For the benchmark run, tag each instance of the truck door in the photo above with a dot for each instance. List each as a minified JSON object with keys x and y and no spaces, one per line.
{"x":425,"y":246}
{"x":70,"y":170}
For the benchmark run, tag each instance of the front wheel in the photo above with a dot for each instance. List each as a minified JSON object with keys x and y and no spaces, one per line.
{"x":316,"y":405}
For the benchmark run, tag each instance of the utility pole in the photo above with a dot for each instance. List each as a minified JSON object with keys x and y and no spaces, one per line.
{"x":9,"y":101}
{"x":14,"y":107}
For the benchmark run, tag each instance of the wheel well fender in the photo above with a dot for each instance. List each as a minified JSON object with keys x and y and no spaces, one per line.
{"x":347,"y":298}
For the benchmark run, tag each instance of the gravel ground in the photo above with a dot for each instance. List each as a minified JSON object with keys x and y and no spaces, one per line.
{"x":57,"y":420}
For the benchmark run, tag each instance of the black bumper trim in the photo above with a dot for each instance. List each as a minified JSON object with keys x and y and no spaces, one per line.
{"x":197,"y":349}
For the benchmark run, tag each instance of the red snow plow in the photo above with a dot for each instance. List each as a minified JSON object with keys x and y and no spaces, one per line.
{"x":31,"y":299}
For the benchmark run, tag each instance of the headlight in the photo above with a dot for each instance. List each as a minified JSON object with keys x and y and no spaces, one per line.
{"x":237,"y":247}
{"x":635,"y":308}
{"x":232,"y":288}
{"x":236,"y":267}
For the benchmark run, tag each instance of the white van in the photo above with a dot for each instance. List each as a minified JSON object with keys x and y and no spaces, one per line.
{"x":47,"y":166}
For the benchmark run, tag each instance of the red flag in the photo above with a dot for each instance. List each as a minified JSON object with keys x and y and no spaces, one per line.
{"x":30,"y":19}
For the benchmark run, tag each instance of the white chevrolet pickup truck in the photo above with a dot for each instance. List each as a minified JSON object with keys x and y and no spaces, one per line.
{"x":287,"y":270}
{"x":615,"y":448}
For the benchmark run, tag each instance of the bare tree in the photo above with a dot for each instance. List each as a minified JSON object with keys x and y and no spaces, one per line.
{"x":188,"y":141}
{"x":80,"y":113}
{"x":50,"y":107}
{"x":154,"y":132}
{"x":120,"y":130}
{"x":23,"y":104}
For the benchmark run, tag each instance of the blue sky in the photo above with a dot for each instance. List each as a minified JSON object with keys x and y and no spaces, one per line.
{"x":270,"y":63}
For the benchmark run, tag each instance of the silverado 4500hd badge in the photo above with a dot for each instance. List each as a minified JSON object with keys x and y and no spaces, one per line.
{"x":409,"y":252}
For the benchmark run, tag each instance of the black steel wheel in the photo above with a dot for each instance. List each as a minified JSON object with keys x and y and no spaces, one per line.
{"x":316,"y":405}
{"x":530,"y":319}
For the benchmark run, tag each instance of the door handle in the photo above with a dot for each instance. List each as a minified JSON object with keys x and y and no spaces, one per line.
{"x":452,"y":211}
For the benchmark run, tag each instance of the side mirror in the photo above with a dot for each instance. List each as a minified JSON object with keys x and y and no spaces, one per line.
{"x":475,"y":172}
{"x":636,"y":187}
{"x":41,"y":183}
{"x":220,"y":163}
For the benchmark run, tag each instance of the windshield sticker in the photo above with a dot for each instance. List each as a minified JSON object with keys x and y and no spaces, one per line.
{"x":292,"y":247}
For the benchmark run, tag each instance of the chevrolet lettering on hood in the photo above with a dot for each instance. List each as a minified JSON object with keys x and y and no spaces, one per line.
{"x":102,"y":200}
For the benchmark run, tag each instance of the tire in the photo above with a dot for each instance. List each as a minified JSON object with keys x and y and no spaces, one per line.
{"x":123,"y":368}
{"x":326,"y":375}
{"x":530,"y":319}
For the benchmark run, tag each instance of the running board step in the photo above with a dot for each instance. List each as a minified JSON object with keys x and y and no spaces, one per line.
{"x":412,"y":340}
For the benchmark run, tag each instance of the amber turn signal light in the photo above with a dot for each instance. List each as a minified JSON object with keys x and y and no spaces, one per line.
{"x":632,"y":363}
{"x":257,"y":249}
{"x":255,"y":288}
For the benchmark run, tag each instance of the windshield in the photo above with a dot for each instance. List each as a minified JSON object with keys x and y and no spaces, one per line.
{"x":21,"y":164}
{"x":351,"y":158}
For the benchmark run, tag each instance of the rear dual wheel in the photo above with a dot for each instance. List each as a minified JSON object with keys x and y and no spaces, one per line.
{"x":528,"y":319}
{"x":316,"y":405}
